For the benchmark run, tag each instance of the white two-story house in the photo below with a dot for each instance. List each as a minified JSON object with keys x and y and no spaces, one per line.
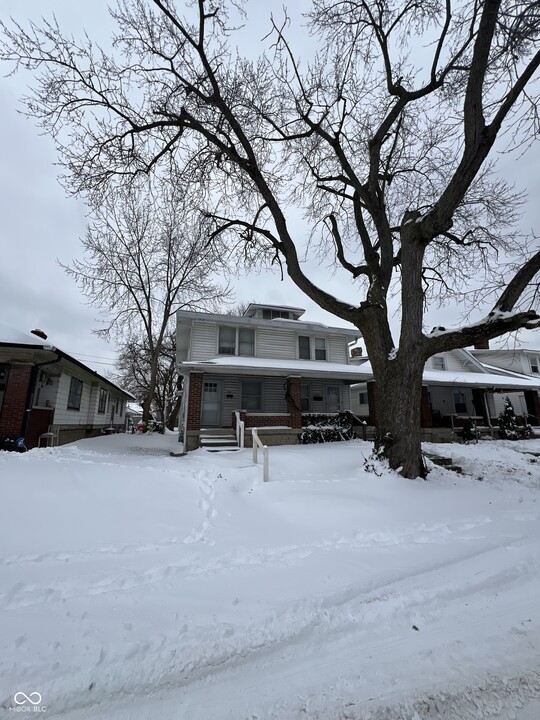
{"x":268,"y":365}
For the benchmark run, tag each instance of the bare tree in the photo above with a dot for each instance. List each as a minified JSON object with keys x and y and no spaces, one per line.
{"x":144,"y":258}
{"x":385,"y":142}
{"x":134,"y":366}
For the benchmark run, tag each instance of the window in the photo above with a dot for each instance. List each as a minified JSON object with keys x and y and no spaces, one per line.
{"x":363,"y":398}
{"x":271,"y":314}
{"x":305,"y":397}
{"x":311,"y":348}
{"x":4,"y":372}
{"x":103,"y":397}
{"x":320,"y":349}
{"x":333,"y":398}
{"x":119,"y":406}
{"x":460,"y":405}
{"x":236,"y":341}
{"x":439,"y":363}
{"x":251,"y":395}
{"x":303,"y":348}
{"x":535,"y":364}
{"x":227,"y":341}
{"x":75,"y":392}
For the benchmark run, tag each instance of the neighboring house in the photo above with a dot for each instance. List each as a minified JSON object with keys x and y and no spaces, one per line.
{"x":456,"y":386}
{"x":268,"y":365}
{"x":44,"y":389}
{"x":520,"y":361}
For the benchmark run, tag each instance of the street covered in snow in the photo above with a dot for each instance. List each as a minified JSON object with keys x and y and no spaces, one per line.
{"x":138,"y":585}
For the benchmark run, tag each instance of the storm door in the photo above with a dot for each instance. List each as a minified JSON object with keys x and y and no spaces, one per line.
{"x":211,"y":403}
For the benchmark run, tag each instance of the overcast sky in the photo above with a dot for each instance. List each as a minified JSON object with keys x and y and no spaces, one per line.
{"x":40,"y":224}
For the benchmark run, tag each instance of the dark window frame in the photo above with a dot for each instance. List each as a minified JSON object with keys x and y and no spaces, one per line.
{"x":243,"y":395}
{"x":103,"y":401}
{"x":75,"y":394}
{"x":236,"y":351}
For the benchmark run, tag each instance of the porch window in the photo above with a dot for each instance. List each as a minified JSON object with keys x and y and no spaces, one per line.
{"x":305,"y":397}
{"x":75,"y":392}
{"x":333,"y":398}
{"x":460,"y":404}
{"x":103,"y":397}
{"x":252,"y":395}
{"x":303,"y":347}
{"x":320,"y":348}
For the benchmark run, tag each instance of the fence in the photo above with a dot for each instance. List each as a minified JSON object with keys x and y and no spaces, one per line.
{"x":256,"y":445}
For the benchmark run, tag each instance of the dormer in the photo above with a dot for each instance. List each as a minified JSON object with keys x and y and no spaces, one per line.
{"x":273,"y":312}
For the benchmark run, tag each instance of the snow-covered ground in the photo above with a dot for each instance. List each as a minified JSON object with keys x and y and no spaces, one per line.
{"x":138,"y":585}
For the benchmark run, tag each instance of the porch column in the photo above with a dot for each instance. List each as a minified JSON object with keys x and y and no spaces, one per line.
{"x":479,"y":404}
{"x":12,"y":414}
{"x":294,"y":402}
{"x":372,"y":403}
{"x":532,"y":401}
{"x":195,"y":390}
{"x":426,"y":420}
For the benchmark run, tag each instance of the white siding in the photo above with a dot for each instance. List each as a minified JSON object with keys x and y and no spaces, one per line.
{"x":204,"y":341}
{"x":338,"y":350}
{"x":63,"y":416}
{"x":454,"y":362}
{"x":507,"y":360}
{"x":278,"y":344}
{"x":517,"y":400}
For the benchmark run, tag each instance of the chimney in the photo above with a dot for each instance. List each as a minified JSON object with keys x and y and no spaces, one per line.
{"x":481,"y":345}
{"x":356,"y":352}
{"x":39,"y":333}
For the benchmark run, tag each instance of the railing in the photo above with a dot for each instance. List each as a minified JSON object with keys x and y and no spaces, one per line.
{"x":239,"y":429}
{"x":256,"y":445}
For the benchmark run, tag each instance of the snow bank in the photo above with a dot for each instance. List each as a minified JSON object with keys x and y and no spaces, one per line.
{"x":137,"y":585}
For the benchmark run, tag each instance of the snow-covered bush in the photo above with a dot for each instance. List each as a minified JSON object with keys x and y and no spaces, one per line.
{"x":507,"y":422}
{"x":326,"y":427}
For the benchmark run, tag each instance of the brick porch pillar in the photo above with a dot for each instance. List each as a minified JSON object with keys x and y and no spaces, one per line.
{"x":372,"y":403}
{"x":426,"y":420}
{"x":294,"y":402}
{"x":12,"y":414}
{"x":195,"y":392}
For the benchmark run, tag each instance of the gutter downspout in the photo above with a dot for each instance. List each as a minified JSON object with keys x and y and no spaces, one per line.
{"x":32,"y":388}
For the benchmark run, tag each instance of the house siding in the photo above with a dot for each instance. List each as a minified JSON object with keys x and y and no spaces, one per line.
{"x":338,"y":349}
{"x":278,"y":344}
{"x":62,"y":415}
{"x":204,"y":341}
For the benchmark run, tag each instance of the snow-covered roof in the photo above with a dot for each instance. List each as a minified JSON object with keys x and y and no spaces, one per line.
{"x":10,"y":336}
{"x":279,"y":367}
{"x":504,"y":380}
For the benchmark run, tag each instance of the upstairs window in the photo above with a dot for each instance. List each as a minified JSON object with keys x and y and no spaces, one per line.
{"x":535,"y":364}
{"x":103,"y":397}
{"x":272,"y":314}
{"x":75,"y":393}
{"x":236,"y":341}
{"x":439,"y":363}
{"x":311,"y":348}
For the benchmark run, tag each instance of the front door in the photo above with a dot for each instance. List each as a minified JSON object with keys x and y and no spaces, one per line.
{"x":211,"y":403}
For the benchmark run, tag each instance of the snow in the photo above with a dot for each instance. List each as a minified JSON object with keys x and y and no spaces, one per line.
{"x":138,"y":585}
{"x":11,"y":336}
{"x":299,"y":366}
{"x":471,"y":379}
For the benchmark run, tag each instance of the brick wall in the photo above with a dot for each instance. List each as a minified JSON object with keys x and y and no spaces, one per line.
{"x":294,"y":402}
{"x":40,"y":419}
{"x":372,"y":402}
{"x":194,"y":401}
{"x":252,"y":421}
{"x":12,"y":413}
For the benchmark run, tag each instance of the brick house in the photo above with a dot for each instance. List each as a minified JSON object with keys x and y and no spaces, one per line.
{"x":42,"y":388}
{"x":266,"y":368}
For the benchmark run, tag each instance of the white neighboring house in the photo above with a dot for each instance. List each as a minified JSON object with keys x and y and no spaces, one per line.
{"x":457,"y":386}
{"x":521,"y":361}
{"x":266,"y":368}
{"x":44,"y":389}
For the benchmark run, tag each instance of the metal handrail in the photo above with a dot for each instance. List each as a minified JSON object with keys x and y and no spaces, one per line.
{"x":258,"y":444}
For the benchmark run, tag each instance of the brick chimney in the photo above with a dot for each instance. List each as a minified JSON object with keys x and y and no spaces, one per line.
{"x":482,"y":345}
{"x":39,"y":333}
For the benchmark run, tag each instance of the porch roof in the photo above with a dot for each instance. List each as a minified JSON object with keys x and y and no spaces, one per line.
{"x":500,"y":381}
{"x":279,"y":368}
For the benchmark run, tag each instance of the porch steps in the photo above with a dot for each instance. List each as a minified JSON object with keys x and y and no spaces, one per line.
{"x":215,"y":441}
{"x":444,"y":462}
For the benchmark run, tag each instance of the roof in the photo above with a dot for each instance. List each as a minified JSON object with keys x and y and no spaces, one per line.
{"x":9,"y":337}
{"x":186,"y":317}
{"x":256,"y":366}
{"x":502,"y":381}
